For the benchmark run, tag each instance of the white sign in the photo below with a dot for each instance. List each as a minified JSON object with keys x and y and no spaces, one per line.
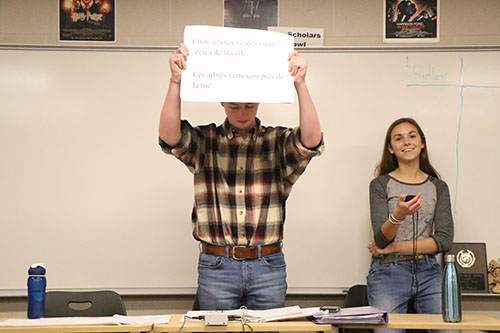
{"x":236,"y":65}
{"x":303,"y":37}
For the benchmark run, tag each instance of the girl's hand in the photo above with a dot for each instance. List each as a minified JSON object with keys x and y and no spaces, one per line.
{"x":407,"y":208}
{"x":375,"y":251}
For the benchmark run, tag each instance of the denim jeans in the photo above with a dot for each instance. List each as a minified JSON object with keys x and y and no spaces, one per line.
{"x":391,"y":286}
{"x":226,"y":283}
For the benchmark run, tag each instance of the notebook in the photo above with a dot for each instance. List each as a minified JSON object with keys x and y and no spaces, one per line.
{"x":354,"y":315}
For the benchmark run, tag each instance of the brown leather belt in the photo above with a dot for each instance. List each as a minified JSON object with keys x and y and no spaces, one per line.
{"x":241,"y":252}
{"x":404,"y":257}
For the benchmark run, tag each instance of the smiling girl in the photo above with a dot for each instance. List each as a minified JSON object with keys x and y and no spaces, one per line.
{"x":408,"y":233}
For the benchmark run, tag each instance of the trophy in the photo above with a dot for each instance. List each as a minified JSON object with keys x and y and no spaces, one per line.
{"x":471,"y":266}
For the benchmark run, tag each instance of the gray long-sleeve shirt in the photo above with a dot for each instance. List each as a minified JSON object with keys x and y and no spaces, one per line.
{"x":434,"y":219}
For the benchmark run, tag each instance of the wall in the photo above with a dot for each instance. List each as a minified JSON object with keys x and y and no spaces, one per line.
{"x":161,"y":22}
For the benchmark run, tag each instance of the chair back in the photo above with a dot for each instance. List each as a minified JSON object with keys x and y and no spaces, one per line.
{"x":83,"y":303}
{"x":356,"y":296}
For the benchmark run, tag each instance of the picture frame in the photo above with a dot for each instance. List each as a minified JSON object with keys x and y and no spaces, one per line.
{"x":411,"y":21}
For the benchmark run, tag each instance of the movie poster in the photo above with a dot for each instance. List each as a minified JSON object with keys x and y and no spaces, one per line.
{"x":253,"y":14}
{"x":411,"y":21}
{"x":87,"y":20}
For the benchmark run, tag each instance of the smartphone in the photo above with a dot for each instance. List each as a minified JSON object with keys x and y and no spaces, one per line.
{"x":330,"y":308}
{"x":409,"y":197}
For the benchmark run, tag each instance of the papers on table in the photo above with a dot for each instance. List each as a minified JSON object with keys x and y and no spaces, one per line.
{"x":71,"y":321}
{"x":289,"y":312}
{"x":143,"y":320}
{"x":360,"y":315}
{"x":79,"y":321}
{"x":355,"y":315}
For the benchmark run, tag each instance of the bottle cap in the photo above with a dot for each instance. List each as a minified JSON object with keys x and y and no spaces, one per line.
{"x":37,"y":269}
{"x":449,"y":258}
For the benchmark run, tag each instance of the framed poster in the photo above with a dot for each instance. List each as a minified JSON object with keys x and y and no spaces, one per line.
{"x":252,"y":14}
{"x":411,"y":21}
{"x":87,"y":20}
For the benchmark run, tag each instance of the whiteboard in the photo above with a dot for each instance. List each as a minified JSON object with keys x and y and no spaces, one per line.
{"x":85,"y":188}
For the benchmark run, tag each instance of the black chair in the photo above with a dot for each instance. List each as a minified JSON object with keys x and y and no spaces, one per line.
{"x":83,"y":304}
{"x":356,"y":296}
{"x":196,"y":303}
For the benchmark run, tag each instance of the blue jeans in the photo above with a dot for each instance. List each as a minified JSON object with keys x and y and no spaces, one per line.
{"x":391,"y":286}
{"x":225,"y":283}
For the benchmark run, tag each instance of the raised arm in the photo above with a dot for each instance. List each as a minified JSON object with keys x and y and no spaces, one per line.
{"x":170,"y":118}
{"x":310,"y":128}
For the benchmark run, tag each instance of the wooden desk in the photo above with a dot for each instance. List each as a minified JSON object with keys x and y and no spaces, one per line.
{"x":198,"y":326}
{"x":76,"y":329}
{"x":470,"y":322}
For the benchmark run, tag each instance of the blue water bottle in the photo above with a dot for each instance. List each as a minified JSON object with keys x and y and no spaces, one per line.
{"x":36,"y":291}
{"x":451,"y":291}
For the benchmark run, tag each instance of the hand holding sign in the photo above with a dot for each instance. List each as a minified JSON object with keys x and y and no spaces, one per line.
{"x":297,"y":67}
{"x":177,"y":62}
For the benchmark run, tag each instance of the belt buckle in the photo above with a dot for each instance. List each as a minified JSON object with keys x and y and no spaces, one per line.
{"x":234,"y":252}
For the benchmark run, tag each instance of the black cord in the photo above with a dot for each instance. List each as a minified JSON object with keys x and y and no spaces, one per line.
{"x":414,"y":251}
{"x":414,"y":263}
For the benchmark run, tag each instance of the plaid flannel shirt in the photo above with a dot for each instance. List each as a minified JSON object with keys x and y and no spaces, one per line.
{"x":240,"y":186}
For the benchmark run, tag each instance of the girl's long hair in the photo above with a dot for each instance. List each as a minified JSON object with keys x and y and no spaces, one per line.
{"x":389,"y":161}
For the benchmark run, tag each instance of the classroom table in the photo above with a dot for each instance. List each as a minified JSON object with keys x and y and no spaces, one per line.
{"x":470,"y":322}
{"x":77,"y":328}
{"x":199,"y":326}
